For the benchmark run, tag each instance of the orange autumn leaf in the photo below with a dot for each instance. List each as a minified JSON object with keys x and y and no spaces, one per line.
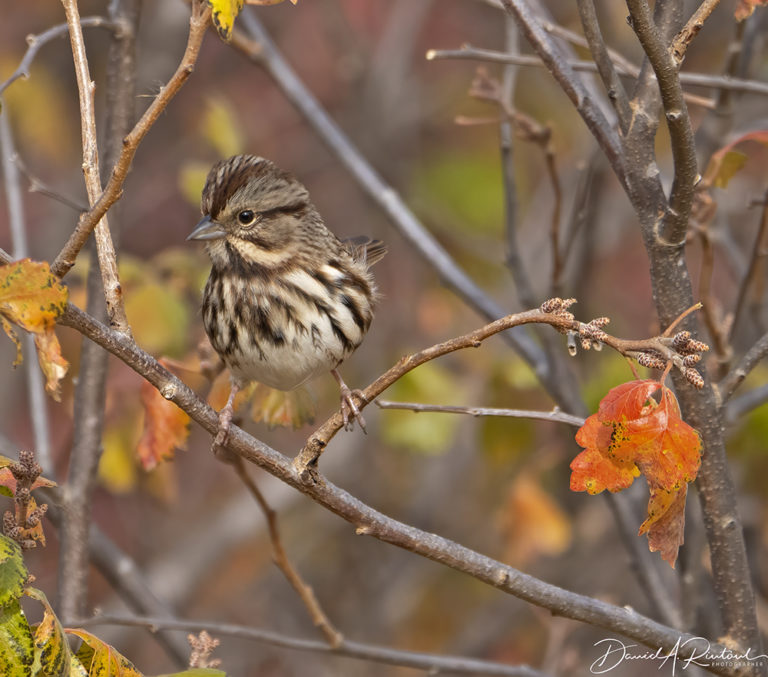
{"x":166,"y":427}
{"x":727,"y":161}
{"x":745,"y":8}
{"x":632,"y":434}
{"x":33,"y":298}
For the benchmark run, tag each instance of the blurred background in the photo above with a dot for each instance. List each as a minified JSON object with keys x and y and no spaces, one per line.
{"x":497,"y":485}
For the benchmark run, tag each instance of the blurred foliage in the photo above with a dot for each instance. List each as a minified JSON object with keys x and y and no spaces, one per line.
{"x":426,"y":433}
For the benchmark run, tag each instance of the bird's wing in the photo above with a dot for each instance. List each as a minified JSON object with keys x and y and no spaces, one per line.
{"x":364,"y":249}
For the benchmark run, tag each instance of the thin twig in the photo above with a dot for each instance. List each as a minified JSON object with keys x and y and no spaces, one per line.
{"x":198,"y":24}
{"x":36,"y":42}
{"x":747,"y":363}
{"x":608,"y":74}
{"x":280,"y":557}
{"x":432,"y":663}
{"x":697,"y":79}
{"x":38,"y":405}
{"x":571,"y":85}
{"x":691,"y":28}
{"x":556,"y":416}
{"x":368,"y":521}
{"x":755,"y":267}
{"x":659,"y":345}
{"x":110,"y":278}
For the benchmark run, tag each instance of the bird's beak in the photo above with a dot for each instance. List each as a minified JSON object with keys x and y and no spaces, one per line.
{"x":206,"y":229}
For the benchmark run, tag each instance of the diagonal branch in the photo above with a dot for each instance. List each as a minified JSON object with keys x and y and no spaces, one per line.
{"x":561,"y":70}
{"x":104,"y":246}
{"x":368,"y":521}
{"x":280,"y":557}
{"x":198,"y":24}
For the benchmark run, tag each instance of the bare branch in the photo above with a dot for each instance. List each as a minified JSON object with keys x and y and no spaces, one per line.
{"x":691,"y":28}
{"x":735,"y":377}
{"x":304,"y":590}
{"x":38,"y":405}
{"x":432,"y":663}
{"x":629,"y":70}
{"x":36,"y":42}
{"x":556,"y":416}
{"x":198,"y":24}
{"x":104,"y":246}
{"x":373,"y":523}
{"x":585,"y":105}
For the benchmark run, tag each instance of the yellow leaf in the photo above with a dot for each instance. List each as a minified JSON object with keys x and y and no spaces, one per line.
{"x":224,"y":13}
{"x":31,"y":295}
{"x":33,"y":298}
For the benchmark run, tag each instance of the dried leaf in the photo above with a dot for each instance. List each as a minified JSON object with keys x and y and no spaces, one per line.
{"x":53,"y":365}
{"x":33,"y":298}
{"x":166,"y":427}
{"x":745,"y":8}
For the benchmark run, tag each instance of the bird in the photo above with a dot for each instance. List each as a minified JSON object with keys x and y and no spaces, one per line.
{"x":286,"y":299}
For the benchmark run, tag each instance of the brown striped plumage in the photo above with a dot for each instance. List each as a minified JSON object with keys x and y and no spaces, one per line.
{"x":286,"y":300}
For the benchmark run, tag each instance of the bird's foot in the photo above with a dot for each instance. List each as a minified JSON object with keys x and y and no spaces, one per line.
{"x":349,"y":409}
{"x":225,"y":423}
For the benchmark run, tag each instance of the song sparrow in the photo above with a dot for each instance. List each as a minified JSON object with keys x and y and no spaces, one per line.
{"x":286,"y":300}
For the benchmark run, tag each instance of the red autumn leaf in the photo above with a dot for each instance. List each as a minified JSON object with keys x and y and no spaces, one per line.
{"x":632,"y":433}
{"x":166,"y":427}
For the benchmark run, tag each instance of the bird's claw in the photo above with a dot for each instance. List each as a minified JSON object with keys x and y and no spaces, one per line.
{"x":349,"y":410}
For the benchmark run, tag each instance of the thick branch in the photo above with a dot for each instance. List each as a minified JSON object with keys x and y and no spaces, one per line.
{"x":371,"y":522}
{"x":665,"y":67}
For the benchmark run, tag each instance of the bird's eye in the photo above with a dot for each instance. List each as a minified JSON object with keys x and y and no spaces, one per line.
{"x":245,"y":217}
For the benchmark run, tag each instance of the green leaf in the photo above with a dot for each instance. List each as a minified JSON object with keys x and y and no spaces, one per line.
{"x":13,"y":572}
{"x":16,"y":644}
